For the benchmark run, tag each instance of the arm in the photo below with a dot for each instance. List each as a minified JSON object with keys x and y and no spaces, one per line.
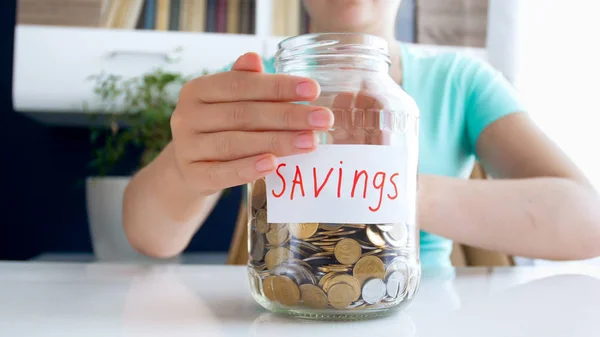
{"x":228,"y":129}
{"x":160,"y":212}
{"x":539,"y":206}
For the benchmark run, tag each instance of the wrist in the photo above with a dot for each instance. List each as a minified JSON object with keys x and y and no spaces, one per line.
{"x":168,"y":184}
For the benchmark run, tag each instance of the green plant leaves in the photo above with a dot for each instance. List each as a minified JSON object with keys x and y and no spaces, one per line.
{"x":139,"y":111}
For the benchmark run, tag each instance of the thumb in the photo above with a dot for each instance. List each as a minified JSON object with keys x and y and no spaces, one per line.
{"x":248,"y":62}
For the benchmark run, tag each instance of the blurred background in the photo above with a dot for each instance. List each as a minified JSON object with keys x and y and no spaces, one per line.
{"x":65,"y":67}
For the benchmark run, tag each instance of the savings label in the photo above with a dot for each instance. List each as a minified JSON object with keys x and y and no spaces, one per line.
{"x":343,"y":184}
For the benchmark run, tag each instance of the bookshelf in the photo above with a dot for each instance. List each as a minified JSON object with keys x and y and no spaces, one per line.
{"x":131,"y":37}
{"x":251,"y":17}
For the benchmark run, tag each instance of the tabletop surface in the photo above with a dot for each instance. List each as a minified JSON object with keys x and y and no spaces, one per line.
{"x":80,"y":299}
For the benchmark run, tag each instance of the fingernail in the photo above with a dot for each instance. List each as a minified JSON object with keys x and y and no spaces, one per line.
{"x":265,"y":164}
{"x":305,"y":141}
{"x":319,"y":118}
{"x":306,"y":89}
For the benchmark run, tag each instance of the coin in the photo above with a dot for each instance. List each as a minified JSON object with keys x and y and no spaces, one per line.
{"x":258,"y":247}
{"x":259,"y":194}
{"x":395,"y":284}
{"x":329,"y":226}
{"x":336,"y":268}
{"x":347,"y":251}
{"x":385,"y":227}
{"x":397,"y":237}
{"x":260,"y":219}
{"x":303,"y":230}
{"x":277,"y":234}
{"x":373,"y":290}
{"x":345,"y":278}
{"x":326,"y":278}
{"x":276,"y":256}
{"x":286,"y":291}
{"x":353,"y":267}
{"x":369,"y":267}
{"x":297,"y":270}
{"x":269,"y":288}
{"x":340,"y":295}
{"x":413,"y":284}
{"x":374,"y":236}
{"x":313,"y":296}
{"x":373,"y":252}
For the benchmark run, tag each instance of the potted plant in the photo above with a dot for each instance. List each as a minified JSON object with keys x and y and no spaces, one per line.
{"x":136,"y":113}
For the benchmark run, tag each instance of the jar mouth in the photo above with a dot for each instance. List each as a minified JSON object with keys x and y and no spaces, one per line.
{"x":334,"y":44}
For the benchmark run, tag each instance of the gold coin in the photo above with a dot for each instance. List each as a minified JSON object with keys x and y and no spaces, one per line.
{"x":373,"y":252}
{"x":260,"y":220}
{"x":313,"y":296}
{"x":277,"y":234}
{"x":322,"y":254}
{"x":258,"y":247}
{"x":340,"y":295}
{"x":303,"y":230}
{"x":286,"y":291}
{"x":358,"y":226}
{"x":338,"y":268}
{"x":344,"y":233}
{"x":352,"y":281}
{"x":375,"y":237}
{"x":269,"y":288}
{"x":326,"y":233}
{"x":315,"y":238}
{"x":259,"y":194}
{"x":329,"y":227}
{"x":323,"y":281}
{"x":276,"y":256}
{"x":334,"y":239}
{"x":323,"y":244}
{"x":368,"y":267}
{"x":347,"y":251}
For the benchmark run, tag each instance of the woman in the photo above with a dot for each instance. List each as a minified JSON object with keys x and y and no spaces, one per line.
{"x":540,"y":205}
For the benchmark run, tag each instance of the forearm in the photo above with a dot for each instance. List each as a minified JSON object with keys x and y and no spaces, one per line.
{"x":160,"y":212}
{"x":549,"y":218}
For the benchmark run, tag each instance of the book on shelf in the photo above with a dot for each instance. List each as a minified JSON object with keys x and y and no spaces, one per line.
{"x":452,"y":22}
{"x":211,"y":16}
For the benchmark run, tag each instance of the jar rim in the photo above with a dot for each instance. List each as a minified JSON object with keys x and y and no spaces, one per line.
{"x":324,"y":39}
{"x":333,"y":45}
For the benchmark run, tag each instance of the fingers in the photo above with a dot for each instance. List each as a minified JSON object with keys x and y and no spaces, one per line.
{"x":259,"y":116}
{"x":357,"y":118}
{"x":214,"y":176}
{"x":232,"y":145}
{"x":248,"y":62}
{"x":237,"y":86}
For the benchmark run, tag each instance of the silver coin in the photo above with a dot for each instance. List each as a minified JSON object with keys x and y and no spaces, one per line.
{"x":413,"y":284}
{"x":397,"y":237}
{"x":396,"y":284}
{"x":373,"y":291}
{"x":386,"y":227}
{"x":356,"y":304}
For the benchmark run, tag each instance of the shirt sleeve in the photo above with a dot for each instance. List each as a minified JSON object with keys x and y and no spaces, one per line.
{"x":490,"y":96}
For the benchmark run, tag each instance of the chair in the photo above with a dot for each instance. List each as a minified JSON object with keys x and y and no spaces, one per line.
{"x":462,"y":255}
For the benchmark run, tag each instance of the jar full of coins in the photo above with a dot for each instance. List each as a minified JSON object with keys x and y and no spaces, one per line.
{"x":333,"y":233}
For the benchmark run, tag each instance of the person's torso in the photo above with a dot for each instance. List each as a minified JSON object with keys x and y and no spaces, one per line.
{"x":434,"y":82}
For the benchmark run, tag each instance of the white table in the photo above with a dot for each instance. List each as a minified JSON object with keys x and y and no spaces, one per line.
{"x":81,"y":299}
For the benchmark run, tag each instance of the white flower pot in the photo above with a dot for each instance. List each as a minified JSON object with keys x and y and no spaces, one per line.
{"x":104,"y":197}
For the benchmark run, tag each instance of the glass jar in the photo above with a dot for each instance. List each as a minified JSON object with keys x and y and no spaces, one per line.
{"x":332,"y":234}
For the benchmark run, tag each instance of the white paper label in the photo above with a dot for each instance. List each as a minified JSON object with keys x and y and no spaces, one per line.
{"x":342,"y":184}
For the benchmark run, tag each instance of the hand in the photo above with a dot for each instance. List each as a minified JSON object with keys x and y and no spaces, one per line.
{"x":229,"y":128}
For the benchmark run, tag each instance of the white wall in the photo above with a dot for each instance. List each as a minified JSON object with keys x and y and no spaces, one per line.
{"x":550,"y":50}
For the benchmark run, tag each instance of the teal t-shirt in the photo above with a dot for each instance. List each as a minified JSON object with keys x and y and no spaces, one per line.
{"x":458,"y":97}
